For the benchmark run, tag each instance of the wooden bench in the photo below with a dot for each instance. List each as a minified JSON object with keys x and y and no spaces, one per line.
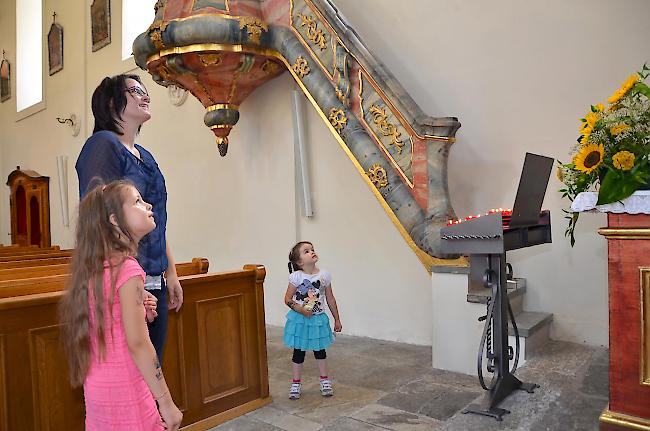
{"x":17,"y":251}
{"x":52,"y":278}
{"x":35,"y":262}
{"x":215,"y":359}
{"x":36,"y":255}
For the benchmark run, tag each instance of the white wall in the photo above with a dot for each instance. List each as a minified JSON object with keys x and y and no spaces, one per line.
{"x":517,"y":74}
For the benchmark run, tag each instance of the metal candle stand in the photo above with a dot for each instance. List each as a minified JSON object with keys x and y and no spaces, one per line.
{"x":486,"y":240}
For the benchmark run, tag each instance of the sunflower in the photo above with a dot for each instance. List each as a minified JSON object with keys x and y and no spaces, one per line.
{"x":618,"y":129}
{"x":623,"y":160}
{"x":585,"y":131}
{"x":629,"y":83}
{"x":589,"y":157}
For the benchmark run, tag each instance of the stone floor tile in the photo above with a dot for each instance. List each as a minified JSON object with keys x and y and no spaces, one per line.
{"x":596,"y":380}
{"x":394,"y":419}
{"x":283,"y":420}
{"x":245,"y":423}
{"x":346,"y":401}
{"x":571,"y":411}
{"x":561,"y":357}
{"x":349,"y":424}
{"x":433,"y":400}
{"x":382,"y":385}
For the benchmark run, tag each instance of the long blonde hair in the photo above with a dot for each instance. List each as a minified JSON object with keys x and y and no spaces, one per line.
{"x":97,"y":241}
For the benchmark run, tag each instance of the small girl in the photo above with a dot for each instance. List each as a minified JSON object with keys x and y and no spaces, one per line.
{"x":308,"y":327}
{"x":103,"y":316}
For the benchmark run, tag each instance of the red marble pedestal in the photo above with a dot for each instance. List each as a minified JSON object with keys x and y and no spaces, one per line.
{"x":628,"y":243}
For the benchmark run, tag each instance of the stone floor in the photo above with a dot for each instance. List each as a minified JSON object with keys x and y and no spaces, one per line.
{"x":381,"y":385}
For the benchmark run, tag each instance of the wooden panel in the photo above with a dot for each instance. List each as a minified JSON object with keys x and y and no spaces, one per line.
{"x":4,"y":424}
{"x":56,"y":406}
{"x":37,"y":255}
{"x":34,"y":262}
{"x":628,"y":220}
{"x":225,"y":311}
{"x":626,"y":260}
{"x":33,"y":271}
{"x":220,"y":329}
{"x":174,"y":361}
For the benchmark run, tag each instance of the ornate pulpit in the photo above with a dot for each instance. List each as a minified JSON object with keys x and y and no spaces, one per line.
{"x":30,"y":208}
{"x":628,"y":251}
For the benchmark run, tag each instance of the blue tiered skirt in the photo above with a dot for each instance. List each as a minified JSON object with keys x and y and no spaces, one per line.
{"x":307,"y":333}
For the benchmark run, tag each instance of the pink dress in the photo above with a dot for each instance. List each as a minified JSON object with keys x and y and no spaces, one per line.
{"x":116,"y":395}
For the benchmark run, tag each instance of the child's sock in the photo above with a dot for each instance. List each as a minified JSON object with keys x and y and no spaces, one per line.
{"x":323,"y":377}
{"x":295,"y":380}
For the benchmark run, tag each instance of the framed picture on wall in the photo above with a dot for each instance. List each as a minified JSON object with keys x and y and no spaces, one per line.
{"x":5,"y":79}
{"x":55,"y":48}
{"x":100,"y":23}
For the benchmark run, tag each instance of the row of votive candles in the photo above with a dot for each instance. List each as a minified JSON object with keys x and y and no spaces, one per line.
{"x":505,"y":212}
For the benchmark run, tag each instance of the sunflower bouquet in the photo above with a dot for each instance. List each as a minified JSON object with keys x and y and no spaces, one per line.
{"x":613,"y":150}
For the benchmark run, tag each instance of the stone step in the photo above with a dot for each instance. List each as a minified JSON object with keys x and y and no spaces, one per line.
{"x":530,"y":322}
{"x":534,"y":328}
{"x":516,"y":290}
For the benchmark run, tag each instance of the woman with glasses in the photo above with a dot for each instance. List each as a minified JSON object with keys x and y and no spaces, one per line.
{"x":120,"y":105}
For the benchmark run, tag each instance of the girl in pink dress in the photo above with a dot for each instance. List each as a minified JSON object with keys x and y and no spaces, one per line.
{"x":103,"y":315}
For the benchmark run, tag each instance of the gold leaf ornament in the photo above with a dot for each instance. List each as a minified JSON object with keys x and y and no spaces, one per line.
{"x":301,"y":67}
{"x":314,"y":34}
{"x":254,"y":27}
{"x":378,"y":176}
{"x":380,"y":119}
{"x":337,"y":118}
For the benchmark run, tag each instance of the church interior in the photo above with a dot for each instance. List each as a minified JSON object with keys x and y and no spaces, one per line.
{"x":363,"y":126}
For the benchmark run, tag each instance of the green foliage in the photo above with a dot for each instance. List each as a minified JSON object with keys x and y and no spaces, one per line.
{"x":613,"y":150}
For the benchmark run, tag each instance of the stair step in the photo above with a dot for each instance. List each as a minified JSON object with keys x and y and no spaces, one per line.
{"x":529,"y":322}
{"x":516,"y":290}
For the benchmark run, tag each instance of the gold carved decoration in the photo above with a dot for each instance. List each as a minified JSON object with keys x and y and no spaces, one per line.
{"x":301,"y":67}
{"x":164,"y":72}
{"x":270,"y":67}
{"x":645,"y":325}
{"x":159,"y":4}
{"x":254,"y":26}
{"x":623,"y":421}
{"x":379,"y":117}
{"x":337,"y":119}
{"x":155,"y":33}
{"x":211,"y":59}
{"x":156,"y":38}
{"x":378,"y":176}
{"x":314,"y":34}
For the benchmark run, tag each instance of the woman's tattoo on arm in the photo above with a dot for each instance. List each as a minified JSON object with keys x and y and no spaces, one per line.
{"x":156,"y":365}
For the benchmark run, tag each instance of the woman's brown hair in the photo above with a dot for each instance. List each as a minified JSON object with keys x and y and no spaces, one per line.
{"x":97,"y":240}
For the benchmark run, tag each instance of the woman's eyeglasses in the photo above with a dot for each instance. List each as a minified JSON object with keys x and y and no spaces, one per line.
{"x":137,"y":90}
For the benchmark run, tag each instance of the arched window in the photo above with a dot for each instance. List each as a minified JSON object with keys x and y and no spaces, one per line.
{"x":137,"y":15}
{"x":29,"y":53}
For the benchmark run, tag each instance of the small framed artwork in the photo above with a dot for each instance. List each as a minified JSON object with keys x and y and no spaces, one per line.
{"x":5,"y":79}
{"x":100,"y":23}
{"x":55,"y":48}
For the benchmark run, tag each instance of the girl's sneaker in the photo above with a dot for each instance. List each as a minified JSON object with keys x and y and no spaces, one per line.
{"x":294,"y":391}
{"x":326,"y":388}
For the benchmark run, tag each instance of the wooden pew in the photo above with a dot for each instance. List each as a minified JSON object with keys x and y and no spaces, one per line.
{"x":33,"y":272}
{"x":214,"y":363}
{"x":34,"y":262}
{"x":52,"y":278}
{"x":27,"y":249}
{"x":196,"y":266}
{"x":37,"y":255}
